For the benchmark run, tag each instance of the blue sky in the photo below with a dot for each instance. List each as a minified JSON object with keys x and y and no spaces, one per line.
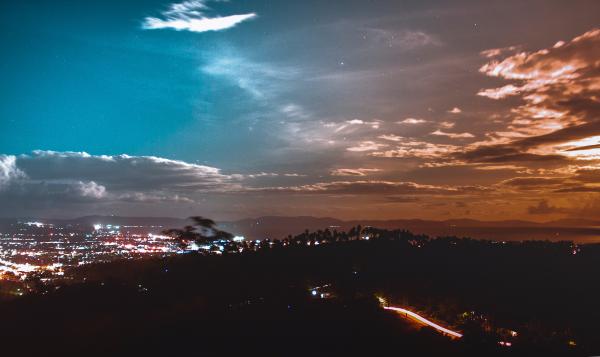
{"x":286,"y":97}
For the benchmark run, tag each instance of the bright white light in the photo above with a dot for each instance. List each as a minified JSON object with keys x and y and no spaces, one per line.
{"x":157,"y":236}
{"x":37,"y":224}
{"x":97,"y":227}
{"x":583,"y":149}
{"x":314,"y":293}
{"x":239,"y":239}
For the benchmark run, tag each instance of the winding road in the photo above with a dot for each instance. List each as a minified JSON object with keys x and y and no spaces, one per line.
{"x":424,"y":321}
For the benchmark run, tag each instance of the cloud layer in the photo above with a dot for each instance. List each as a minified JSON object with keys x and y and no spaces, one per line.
{"x":393,"y":110}
{"x":66,"y":178}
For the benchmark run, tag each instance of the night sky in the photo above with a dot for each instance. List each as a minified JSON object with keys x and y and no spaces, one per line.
{"x":350,"y":109}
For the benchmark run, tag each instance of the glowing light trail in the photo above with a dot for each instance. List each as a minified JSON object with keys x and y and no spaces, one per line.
{"x":423,"y":320}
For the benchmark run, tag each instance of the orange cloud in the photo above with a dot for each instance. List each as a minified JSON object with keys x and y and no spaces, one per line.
{"x":558,"y":117}
{"x":559,"y":85}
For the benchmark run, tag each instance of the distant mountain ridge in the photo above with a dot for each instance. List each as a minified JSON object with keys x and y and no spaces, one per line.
{"x":278,"y":227}
{"x":275,"y":227}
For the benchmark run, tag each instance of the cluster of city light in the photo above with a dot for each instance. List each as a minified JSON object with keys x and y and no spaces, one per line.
{"x":34,"y":248}
{"x":38,"y":248}
{"x":320,"y":291}
{"x":36,"y":224}
{"x":20,"y":270}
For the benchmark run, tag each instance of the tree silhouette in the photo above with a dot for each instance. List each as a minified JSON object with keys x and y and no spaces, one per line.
{"x":203,"y":222}
{"x":202,"y":231}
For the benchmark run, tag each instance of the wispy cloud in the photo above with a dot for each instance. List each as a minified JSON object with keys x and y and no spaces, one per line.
{"x":191,"y":16}
{"x":453,"y":135}
{"x":366,"y":146}
{"x":353,"y":172}
{"x":367,"y":187}
{"x":412,"y":121}
{"x":405,"y":148}
{"x":373,"y":124}
{"x":390,"y":137}
{"x":494,"y":52}
{"x":405,"y":39}
{"x":260,"y":80}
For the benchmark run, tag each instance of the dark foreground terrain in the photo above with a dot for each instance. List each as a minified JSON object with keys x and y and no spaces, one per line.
{"x":263,"y":301}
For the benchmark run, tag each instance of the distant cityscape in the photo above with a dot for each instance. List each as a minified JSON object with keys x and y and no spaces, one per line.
{"x":47,"y":250}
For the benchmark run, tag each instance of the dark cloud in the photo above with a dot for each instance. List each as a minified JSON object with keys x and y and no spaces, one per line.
{"x":588,"y":175}
{"x":543,"y":207}
{"x":402,"y":199}
{"x":560,"y":136}
{"x":578,"y":189}
{"x":508,"y":153}
{"x":588,"y":147}
{"x":61,"y":192}
{"x":590,"y":209}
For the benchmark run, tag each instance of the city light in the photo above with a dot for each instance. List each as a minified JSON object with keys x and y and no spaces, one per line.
{"x":35,"y":248}
{"x":36,"y":224}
